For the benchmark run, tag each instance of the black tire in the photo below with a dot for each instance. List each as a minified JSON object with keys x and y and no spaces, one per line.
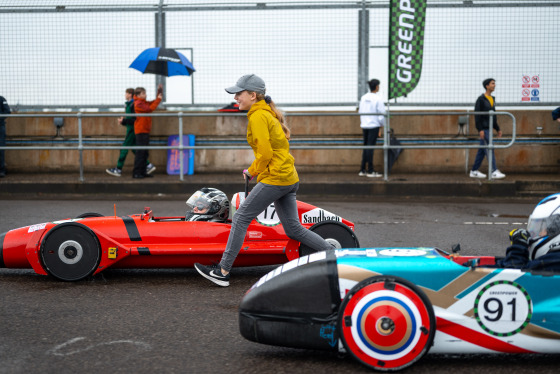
{"x":336,"y":233}
{"x":70,"y":252}
{"x":90,"y":215}
{"x":386,"y":323}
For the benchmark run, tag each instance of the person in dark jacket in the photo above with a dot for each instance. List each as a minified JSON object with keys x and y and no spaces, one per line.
{"x":485,"y":103}
{"x":4,"y":109}
{"x":556,"y":114}
{"x":129,"y":138}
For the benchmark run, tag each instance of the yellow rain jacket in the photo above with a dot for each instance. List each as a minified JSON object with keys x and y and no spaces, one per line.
{"x":273,"y":162}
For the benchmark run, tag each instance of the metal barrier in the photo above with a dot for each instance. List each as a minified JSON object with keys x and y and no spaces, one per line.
{"x":181,"y":147}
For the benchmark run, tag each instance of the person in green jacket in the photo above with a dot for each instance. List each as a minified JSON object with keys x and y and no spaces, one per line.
{"x":129,"y":138}
{"x":277,"y":177}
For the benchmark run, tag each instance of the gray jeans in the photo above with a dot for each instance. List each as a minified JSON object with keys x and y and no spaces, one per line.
{"x":284,"y":198}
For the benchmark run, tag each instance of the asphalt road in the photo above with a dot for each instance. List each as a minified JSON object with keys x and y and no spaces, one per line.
{"x":174,"y":321}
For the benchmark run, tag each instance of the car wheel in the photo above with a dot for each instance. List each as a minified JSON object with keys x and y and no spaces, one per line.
{"x":70,"y":252}
{"x":336,"y":233}
{"x":90,"y":215}
{"x":386,"y":323}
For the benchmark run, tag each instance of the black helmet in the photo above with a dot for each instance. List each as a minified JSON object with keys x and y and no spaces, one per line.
{"x":208,"y":204}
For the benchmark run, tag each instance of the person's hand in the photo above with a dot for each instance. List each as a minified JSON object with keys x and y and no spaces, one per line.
{"x":160,"y":91}
{"x":120,"y":119}
{"x":499,"y":134}
{"x":519,"y":236}
{"x":247,"y":175}
{"x":481,"y":135}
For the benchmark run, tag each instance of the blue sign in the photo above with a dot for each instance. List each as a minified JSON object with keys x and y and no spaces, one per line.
{"x":535,"y":92}
{"x":174,"y":158}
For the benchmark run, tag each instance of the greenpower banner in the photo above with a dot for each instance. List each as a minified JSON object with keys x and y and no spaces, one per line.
{"x":406,"y":45}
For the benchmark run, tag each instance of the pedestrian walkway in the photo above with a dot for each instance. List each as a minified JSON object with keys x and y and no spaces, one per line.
{"x":101,"y":185}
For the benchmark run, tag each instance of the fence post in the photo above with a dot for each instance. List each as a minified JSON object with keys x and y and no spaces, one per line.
{"x":80,"y":146}
{"x":363,"y":49}
{"x":160,"y":39}
{"x":181,"y":166}
{"x":490,"y":150}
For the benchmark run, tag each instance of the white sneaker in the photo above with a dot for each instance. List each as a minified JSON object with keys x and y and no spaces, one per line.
{"x":116,"y":172}
{"x":496,"y":174}
{"x":477,"y":174}
{"x":150,"y":168}
{"x":362,"y":173}
{"x":374,"y":175}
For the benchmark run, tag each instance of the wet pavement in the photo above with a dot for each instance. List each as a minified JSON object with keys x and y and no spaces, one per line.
{"x":100,"y":184}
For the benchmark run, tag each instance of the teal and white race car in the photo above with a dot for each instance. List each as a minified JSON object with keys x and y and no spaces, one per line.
{"x":388,"y":307}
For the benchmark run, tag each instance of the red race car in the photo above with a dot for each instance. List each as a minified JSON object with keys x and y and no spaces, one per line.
{"x":73,"y":249}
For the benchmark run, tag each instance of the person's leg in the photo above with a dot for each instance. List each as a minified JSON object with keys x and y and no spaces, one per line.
{"x":374,"y":133}
{"x":364,"y":160}
{"x":261,"y":196}
{"x":286,"y":208}
{"x":368,"y":153}
{"x":480,"y":154}
{"x":129,"y":139}
{"x":141,"y":155}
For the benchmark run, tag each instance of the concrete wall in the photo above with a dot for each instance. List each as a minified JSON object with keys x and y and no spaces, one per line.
{"x":532,"y":157}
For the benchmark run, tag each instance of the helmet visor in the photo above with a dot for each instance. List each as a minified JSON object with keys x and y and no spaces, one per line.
{"x":198,"y":203}
{"x":537,"y":227}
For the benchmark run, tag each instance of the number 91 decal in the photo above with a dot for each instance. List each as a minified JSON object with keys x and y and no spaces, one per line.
{"x":503,"y":308}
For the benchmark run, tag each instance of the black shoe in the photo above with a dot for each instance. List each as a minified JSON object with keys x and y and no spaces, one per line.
{"x":138,"y":176}
{"x":2,"y":174}
{"x":213,"y":273}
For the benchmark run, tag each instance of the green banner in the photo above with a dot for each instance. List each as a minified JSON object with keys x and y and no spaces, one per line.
{"x":406,"y":44}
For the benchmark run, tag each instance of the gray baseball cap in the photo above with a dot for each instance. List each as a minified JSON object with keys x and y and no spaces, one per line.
{"x":249,"y":82}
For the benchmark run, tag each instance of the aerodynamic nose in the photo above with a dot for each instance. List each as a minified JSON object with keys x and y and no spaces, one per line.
{"x":305,"y":289}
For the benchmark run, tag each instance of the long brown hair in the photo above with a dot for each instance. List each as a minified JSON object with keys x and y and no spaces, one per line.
{"x":277,"y":111}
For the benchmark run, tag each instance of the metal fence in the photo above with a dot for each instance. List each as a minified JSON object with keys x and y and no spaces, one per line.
{"x":75,"y":54}
{"x":181,"y":147}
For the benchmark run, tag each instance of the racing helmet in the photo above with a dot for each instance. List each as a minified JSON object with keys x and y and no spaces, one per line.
{"x":208,"y":204}
{"x":544,"y":227}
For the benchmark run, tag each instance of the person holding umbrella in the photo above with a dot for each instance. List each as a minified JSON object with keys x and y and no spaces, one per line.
{"x":277,"y":177}
{"x":142,"y":128}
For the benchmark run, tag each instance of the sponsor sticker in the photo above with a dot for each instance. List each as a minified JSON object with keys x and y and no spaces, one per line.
{"x":503,"y":308}
{"x":34,"y":228}
{"x":254,"y":234}
{"x":351,"y":252}
{"x":319,"y":215}
{"x":403,"y":252}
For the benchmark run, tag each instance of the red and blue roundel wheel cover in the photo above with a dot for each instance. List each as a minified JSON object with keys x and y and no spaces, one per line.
{"x":386,"y":324}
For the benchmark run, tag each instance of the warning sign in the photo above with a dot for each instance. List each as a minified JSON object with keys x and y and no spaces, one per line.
{"x":530,"y":87}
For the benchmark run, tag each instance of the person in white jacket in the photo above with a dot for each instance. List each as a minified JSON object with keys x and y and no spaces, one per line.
{"x":371,"y":125}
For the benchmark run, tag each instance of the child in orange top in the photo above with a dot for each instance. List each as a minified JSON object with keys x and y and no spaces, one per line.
{"x":142,"y":128}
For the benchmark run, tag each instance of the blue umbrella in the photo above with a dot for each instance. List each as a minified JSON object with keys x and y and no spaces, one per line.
{"x":162,"y":61}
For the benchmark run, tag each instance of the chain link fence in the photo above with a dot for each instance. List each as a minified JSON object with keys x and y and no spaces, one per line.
{"x":75,"y":54}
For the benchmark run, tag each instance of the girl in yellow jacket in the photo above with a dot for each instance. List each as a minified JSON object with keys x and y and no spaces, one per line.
{"x":276,"y":175}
